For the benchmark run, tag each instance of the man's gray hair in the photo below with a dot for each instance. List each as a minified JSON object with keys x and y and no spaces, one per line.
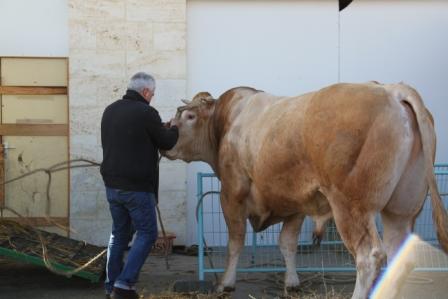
{"x":140,"y":81}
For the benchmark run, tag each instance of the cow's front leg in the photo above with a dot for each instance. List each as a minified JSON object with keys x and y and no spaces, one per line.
{"x":235,"y":216}
{"x":288,"y":247}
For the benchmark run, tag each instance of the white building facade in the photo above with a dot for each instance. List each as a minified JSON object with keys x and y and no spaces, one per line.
{"x":283,"y":47}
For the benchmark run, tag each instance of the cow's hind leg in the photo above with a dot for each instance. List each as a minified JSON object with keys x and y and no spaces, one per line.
{"x":359,"y":233}
{"x":370,"y":256}
{"x":288,"y":247}
{"x":398,"y":216}
{"x":396,"y":230}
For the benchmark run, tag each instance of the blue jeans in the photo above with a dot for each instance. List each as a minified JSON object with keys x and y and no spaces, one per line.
{"x":130,"y":211}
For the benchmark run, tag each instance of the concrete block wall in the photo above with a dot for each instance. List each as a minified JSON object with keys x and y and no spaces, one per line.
{"x":109,"y":41}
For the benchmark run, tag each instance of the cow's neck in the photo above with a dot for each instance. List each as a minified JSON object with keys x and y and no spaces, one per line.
{"x":219,"y":124}
{"x":206,"y":146}
{"x":211,"y":151}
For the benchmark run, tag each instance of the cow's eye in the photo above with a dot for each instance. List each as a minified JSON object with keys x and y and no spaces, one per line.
{"x":190,"y":116}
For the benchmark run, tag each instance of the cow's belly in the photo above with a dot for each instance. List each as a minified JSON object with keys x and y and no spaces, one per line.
{"x":270,"y":204}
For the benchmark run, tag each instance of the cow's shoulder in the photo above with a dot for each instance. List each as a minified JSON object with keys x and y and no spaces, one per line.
{"x":234,"y":95}
{"x":228,"y":104}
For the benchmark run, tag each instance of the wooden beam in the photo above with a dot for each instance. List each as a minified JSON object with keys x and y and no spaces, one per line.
{"x":2,"y":174}
{"x":40,"y":221}
{"x":33,"y":130}
{"x":34,"y":57}
{"x":35,"y":90}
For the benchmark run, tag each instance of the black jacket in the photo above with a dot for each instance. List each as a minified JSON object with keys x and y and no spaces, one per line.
{"x":131,"y":134}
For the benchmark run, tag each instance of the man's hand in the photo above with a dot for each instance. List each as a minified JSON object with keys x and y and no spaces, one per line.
{"x":174,"y":122}
{"x":171,"y":123}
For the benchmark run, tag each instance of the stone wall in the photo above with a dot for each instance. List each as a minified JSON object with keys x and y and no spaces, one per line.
{"x":110,"y":40}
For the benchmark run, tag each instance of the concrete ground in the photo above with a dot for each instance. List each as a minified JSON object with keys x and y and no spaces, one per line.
{"x":28,"y":282}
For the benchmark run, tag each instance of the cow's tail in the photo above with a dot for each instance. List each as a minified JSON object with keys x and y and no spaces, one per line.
{"x":428,"y":137}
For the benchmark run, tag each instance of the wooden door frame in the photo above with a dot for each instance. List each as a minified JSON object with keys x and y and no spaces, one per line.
{"x":36,"y":130}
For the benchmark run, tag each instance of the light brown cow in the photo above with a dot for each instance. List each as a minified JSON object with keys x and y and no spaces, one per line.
{"x":348,"y":150}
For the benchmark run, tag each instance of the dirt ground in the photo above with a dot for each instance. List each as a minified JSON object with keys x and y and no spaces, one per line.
{"x":28,"y":282}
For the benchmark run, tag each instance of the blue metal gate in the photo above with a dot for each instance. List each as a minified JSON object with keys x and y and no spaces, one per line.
{"x":261,"y":253}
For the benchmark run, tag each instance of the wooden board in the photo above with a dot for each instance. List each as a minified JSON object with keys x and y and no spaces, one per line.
{"x":23,"y":243}
{"x":34,"y":109}
{"x":33,"y":130}
{"x":34,"y":96}
{"x":32,"y":90}
{"x":34,"y":72}
{"x":28,"y":196}
{"x":2,"y":174}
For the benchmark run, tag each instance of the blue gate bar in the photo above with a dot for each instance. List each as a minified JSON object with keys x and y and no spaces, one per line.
{"x":283,"y":269}
{"x":200,"y":228}
{"x":349,"y":268}
{"x":316,"y":269}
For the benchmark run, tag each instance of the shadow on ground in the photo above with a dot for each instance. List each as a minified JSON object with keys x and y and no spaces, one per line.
{"x":28,"y":282}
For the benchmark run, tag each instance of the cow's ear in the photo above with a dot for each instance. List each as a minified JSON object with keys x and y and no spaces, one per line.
{"x":186,"y":102}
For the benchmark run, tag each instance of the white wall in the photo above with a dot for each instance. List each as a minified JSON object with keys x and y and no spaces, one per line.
{"x":33,"y":28}
{"x":282,"y":47}
{"x":109,"y":42}
{"x":291,"y":47}
{"x":393,"y":41}
{"x":285,"y":47}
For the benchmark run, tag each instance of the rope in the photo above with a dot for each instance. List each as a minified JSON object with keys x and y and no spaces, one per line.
{"x":54,"y":168}
{"x":49,"y":171}
{"x":159,"y":215}
{"x":45,"y":255}
{"x":165,"y":238}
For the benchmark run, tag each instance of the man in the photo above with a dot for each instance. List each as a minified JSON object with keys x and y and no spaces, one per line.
{"x":131,"y":135}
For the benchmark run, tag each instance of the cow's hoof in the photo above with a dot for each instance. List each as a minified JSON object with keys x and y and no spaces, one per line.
{"x":229,"y":289}
{"x":292,"y":289}
{"x":224,"y":289}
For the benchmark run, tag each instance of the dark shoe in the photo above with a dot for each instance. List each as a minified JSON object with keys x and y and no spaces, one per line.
{"x":118,"y":293}
{"x":108,"y":296}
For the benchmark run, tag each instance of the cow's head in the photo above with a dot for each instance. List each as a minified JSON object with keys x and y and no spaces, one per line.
{"x":195,"y":132}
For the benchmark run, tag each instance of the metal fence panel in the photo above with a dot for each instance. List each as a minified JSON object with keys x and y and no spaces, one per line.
{"x":261,"y":253}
